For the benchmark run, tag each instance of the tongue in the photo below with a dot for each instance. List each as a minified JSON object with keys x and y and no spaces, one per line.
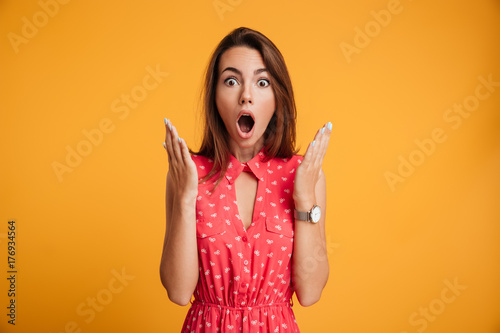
{"x":246,"y":123}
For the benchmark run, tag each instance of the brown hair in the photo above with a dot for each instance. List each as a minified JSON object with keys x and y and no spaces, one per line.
{"x":279,"y":137}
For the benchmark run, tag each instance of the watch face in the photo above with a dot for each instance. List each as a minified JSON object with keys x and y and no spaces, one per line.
{"x":315,"y":214}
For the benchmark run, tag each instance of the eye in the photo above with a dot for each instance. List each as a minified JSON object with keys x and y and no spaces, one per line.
{"x":230,"y":81}
{"x":263,"y":83}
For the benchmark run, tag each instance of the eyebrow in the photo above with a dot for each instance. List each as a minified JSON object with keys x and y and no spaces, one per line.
{"x":237,"y":71}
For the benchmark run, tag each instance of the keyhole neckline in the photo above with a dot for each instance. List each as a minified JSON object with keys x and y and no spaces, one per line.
{"x":255,"y":165}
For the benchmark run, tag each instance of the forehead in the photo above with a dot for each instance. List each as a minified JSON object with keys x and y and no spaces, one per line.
{"x":242,"y":58}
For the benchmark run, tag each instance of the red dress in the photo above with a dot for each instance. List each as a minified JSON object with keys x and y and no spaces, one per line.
{"x":245,"y":275}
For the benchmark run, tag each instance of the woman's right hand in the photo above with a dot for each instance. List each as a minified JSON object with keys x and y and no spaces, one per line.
{"x":182,"y":169}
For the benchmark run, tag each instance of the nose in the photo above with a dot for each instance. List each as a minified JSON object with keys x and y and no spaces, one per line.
{"x":246,"y":95}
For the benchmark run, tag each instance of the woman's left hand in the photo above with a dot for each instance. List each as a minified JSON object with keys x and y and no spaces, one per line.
{"x":309,"y":170}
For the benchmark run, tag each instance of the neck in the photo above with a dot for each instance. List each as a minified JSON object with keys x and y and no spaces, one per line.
{"x":245,"y":154}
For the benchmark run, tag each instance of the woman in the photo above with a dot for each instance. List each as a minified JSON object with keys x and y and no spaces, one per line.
{"x":244,"y":228}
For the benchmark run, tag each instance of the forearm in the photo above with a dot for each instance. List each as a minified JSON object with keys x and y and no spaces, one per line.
{"x":310,"y":262}
{"x":179,"y":263}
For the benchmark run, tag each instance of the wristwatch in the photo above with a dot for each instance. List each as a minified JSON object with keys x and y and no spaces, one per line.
{"x":312,"y":216}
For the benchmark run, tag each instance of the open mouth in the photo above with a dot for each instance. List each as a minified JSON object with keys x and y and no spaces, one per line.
{"x":246,"y":122}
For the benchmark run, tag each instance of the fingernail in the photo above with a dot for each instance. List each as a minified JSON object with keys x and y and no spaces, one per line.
{"x":169,"y":126}
{"x":164,"y":145}
{"x":180,"y":140}
{"x":329,"y":126}
{"x":322,"y":130}
{"x":313,"y":143}
{"x":166,"y":121}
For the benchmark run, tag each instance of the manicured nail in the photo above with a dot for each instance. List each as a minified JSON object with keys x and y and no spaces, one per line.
{"x":322,"y":130}
{"x":180,"y":140}
{"x":313,"y":143}
{"x":329,"y":125}
{"x":169,"y":126}
{"x":166,"y":121}
{"x":164,"y":145}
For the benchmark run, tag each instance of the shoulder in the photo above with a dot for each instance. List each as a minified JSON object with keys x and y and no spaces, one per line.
{"x":294,"y":159}
{"x":288,"y":164}
{"x":203,"y":164}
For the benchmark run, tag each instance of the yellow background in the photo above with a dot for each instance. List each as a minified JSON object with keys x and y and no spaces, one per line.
{"x":390,"y":249}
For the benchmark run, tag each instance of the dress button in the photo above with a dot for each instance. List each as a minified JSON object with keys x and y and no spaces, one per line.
{"x":245,"y":239}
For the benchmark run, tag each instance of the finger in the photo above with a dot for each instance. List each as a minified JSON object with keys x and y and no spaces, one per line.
{"x":185,"y":152}
{"x":309,"y":155}
{"x":324,"y":139}
{"x":327,"y":134}
{"x":165,"y":147}
{"x":319,"y":134}
{"x":168,"y":140}
{"x":314,"y":147}
{"x":168,"y":143}
{"x":176,"y":144}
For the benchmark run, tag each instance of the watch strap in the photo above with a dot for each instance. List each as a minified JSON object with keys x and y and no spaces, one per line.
{"x":302,"y":216}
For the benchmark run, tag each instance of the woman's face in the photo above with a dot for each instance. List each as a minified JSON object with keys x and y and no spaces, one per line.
{"x":244,"y":97}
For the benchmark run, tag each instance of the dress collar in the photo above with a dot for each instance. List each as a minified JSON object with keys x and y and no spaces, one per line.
{"x":255,"y":165}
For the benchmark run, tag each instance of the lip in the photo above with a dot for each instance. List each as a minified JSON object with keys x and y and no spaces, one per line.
{"x":244,"y":135}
